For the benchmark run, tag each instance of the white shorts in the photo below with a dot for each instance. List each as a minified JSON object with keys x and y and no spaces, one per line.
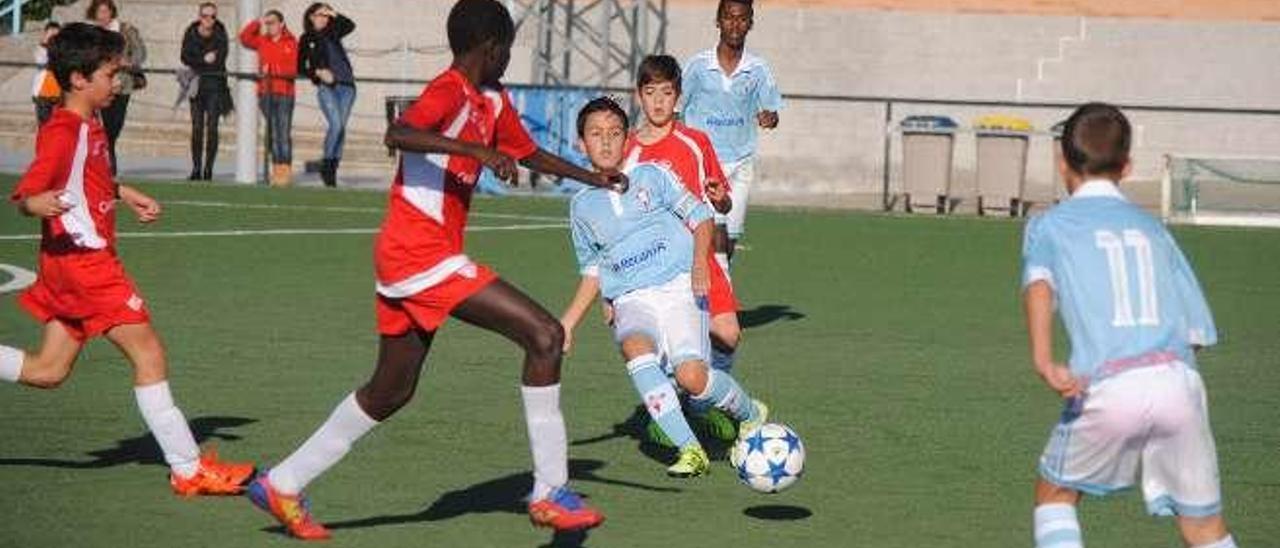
{"x":670,"y":316}
{"x":740,"y":174}
{"x":1150,"y":424}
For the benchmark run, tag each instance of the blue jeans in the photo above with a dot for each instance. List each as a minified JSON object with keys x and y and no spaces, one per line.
{"x":335,"y":104}
{"x":278,"y":110}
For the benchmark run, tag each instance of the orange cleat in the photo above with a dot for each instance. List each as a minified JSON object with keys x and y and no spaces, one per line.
{"x":213,"y":477}
{"x":563,"y":510}
{"x":293,"y":512}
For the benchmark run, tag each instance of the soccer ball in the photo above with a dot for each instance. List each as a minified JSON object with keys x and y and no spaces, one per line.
{"x":769,"y":458}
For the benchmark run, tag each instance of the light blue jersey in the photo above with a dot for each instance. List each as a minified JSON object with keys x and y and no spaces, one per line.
{"x":725,"y":106}
{"x":638,"y":239}
{"x":1123,"y":287}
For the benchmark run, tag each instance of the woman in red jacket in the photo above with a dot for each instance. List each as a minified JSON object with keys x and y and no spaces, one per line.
{"x":278,"y":65}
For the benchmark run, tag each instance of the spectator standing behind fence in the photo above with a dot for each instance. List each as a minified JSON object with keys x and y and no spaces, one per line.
{"x":204,"y":50}
{"x":45,"y":91}
{"x":322,"y":57}
{"x":130,"y":78}
{"x":278,"y":65}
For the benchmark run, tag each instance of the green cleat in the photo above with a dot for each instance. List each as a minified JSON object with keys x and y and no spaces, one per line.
{"x":762,"y":416}
{"x":716,"y":425}
{"x":693,"y":462}
{"x":657,"y":436}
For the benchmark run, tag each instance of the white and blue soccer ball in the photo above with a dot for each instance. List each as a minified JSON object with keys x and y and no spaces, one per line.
{"x":769,"y":458}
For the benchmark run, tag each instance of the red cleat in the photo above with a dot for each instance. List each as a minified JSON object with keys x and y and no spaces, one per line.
{"x":213,"y":477}
{"x":563,"y":510}
{"x":293,"y":512}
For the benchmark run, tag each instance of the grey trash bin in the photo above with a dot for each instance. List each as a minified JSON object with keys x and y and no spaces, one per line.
{"x":927,"y":146}
{"x":1002,"y":163}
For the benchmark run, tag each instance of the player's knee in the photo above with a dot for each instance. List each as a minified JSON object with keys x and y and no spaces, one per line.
{"x":546,"y":341}
{"x":692,"y":376}
{"x":726,"y":336}
{"x":636,"y":345}
{"x":1198,"y":531}
{"x":44,"y":374}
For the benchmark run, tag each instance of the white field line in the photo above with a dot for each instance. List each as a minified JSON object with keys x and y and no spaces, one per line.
{"x":345,"y":209}
{"x":286,"y":232}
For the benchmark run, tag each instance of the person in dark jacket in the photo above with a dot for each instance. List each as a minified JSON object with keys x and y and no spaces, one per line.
{"x":323,"y":59}
{"x":204,"y":50}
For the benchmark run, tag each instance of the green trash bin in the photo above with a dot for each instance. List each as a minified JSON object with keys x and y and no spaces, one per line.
{"x":928,"y":144}
{"x":1002,"y":162}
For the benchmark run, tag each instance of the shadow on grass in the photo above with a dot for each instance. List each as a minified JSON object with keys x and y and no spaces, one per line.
{"x":501,"y":495}
{"x":766,"y":314}
{"x":635,"y":427}
{"x":778,"y":512}
{"x":141,"y":449}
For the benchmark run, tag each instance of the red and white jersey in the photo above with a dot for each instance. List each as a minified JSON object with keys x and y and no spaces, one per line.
{"x":71,"y":157}
{"x":686,"y":152}
{"x":421,"y":240}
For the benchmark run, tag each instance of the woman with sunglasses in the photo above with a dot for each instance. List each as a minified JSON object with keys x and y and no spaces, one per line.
{"x":204,"y":50}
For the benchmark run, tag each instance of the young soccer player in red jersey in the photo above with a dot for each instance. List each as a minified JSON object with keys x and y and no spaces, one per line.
{"x":463,"y":121}
{"x":82,"y":290}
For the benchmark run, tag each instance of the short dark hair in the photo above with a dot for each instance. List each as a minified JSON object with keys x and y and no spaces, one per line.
{"x":274,"y":13}
{"x":721,"y":5}
{"x":603,"y":103}
{"x":1096,"y":139}
{"x":472,"y":23}
{"x":204,"y":5}
{"x":92,"y":11}
{"x":82,"y":48}
{"x":52,"y":25}
{"x":658,"y":68}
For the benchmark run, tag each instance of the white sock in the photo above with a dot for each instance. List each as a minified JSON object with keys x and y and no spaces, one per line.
{"x":10,"y":363}
{"x":1057,"y":526}
{"x":723,"y":259}
{"x":169,"y":427}
{"x":1224,"y":542}
{"x":324,"y":448}
{"x":547,"y":438}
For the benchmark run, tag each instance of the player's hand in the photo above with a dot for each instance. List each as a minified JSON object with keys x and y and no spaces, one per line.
{"x":701,"y":279}
{"x":715,"y":190}
{"x":49,"y":203}
{"x":767,"y":119}
{"x":502,"y":165}
{"x":615,"y":181}
{"x":606,"y":308}
{"x":1060,"y":379}
{"x":568,"y":336}
{"x":145,"y":207}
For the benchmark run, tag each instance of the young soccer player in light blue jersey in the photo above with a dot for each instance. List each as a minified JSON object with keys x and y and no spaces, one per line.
{"x":1135,"y":411}
{"x":638,"y":250}
{"x":730,"y":94}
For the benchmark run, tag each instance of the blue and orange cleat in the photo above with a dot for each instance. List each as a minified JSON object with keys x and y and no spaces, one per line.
{"x":563,"y":510}
{"x":293,"y":512}
{"x":213,"y":477}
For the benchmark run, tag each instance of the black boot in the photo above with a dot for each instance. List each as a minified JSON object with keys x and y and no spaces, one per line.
{"x":329,"y":172}
{"x":195,"y":172}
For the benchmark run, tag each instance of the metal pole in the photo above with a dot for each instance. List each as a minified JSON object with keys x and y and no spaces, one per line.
{"x":17,"y":18}
{"x":888,"y":141}
{"x":246,"y":99}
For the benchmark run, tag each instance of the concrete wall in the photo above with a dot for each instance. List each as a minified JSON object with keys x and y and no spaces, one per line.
{"x":827,"y":151}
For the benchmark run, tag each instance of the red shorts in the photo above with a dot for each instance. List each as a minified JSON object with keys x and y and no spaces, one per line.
{"x":429,"y":309}
{"x":720,"y":297}
{"x":88,"y":293}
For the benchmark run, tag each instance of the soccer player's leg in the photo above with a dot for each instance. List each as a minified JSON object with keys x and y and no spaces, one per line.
{"x":403,"y":346}
{"x":725,"y":336}
{"x":685,"y":325}
{"x":190,"y":472}
{"x":502,"y":308}
{"x":740,"y":175}
{"x":1180,"y":463}
{"x":1055,"y":520}
{"x":637,"y":329}
{"x":48,"y":366}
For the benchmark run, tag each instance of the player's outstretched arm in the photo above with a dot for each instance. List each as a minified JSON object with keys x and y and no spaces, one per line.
{"x":550,"y":164}
{"x":408,"y":139}
{"x":1038,"y":304}
{"x":701,"y":250}
{"x":582,"y":299}
{"x":145,"y":207}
